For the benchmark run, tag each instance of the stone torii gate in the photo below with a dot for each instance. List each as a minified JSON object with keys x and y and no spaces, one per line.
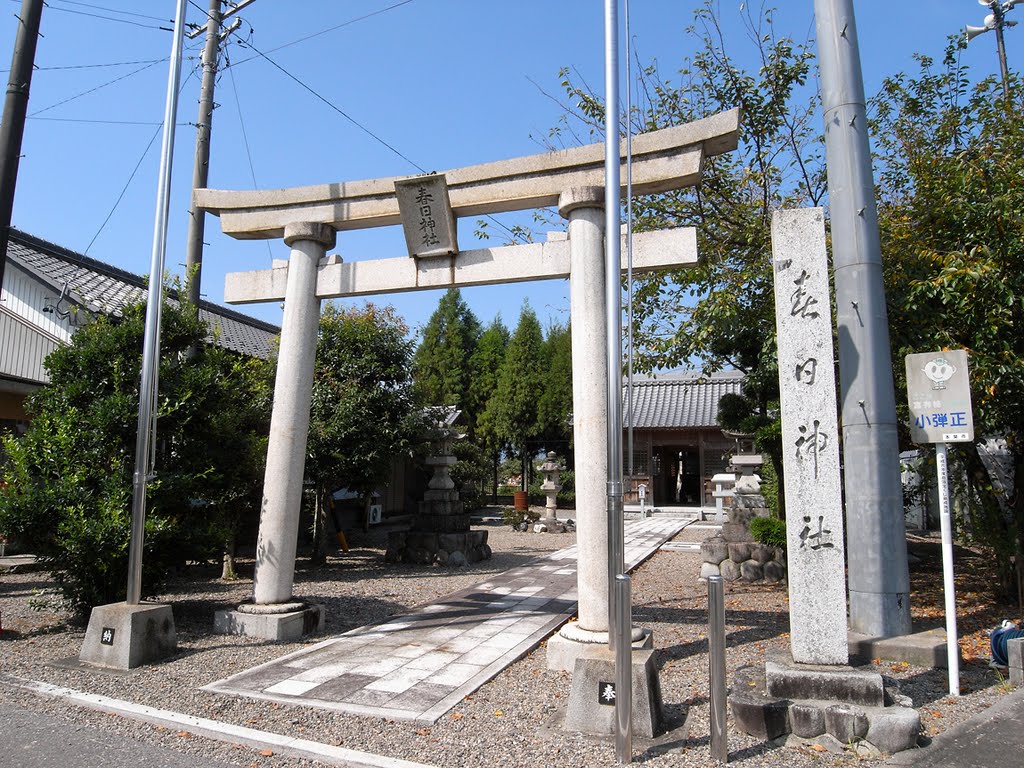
{"x":308,"y":218}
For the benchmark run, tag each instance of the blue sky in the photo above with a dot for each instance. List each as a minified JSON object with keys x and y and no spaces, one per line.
{"x":446,"y":83}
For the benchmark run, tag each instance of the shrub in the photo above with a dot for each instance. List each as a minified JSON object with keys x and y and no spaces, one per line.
{"x":769,"y":530}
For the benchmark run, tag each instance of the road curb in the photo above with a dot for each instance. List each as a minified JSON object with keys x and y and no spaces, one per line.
{"x":215,"y":729}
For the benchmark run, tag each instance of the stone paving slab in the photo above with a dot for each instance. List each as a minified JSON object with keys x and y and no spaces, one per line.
{"x":418,"y":665}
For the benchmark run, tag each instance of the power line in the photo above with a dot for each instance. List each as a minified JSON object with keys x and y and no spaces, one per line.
{"x":120,"y":197}
{"x":93,"y":90}
{"x":103,"y":122}
{"x":135,"y":170}
{"x":110,"y":18}
{"x":329,"y":29}
{"x":245,"y":136}
{"x":96,"y":66}
{"x":335,"y":107}
{"x":108,"y":10}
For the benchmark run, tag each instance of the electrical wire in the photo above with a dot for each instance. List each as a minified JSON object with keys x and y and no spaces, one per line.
{"x":333,"y":106}
{"x":108,"y":10}
{"x":120,"y":197}
{"x":110,"y":18}
{"x":100,"y":122}
{"x":95,"y":66}
{"x":245,"y":136}
{"x":329,"y":29}
{"x":93,"y":90}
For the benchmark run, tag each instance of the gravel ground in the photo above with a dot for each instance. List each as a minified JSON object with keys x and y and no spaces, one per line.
{"x":510,"y":721}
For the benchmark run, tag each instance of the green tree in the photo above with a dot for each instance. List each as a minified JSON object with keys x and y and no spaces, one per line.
{"x":363,"y":414}
{"x":520,"y":384}
{"x":554,"y":409}
{"x":951,"y":207}
{"x":70,"y":476}
{"x":487,"y":362}
{"x":442,"y":365}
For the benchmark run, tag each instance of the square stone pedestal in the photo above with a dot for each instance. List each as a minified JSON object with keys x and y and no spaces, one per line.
{"x":280,"y":627}
{"x":591,"y":706}
{"x":122,"y":636}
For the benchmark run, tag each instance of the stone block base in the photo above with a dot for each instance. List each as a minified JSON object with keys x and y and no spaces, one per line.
{"x":1015,"y":658}
{"x":920,"y":649}
{"x":591,"y":707}
{"x":428,"y":548}
{"x":572,"y":643}
{"x":122,"y":636}
{"x":270,"y":626}
{"x":891,"y":726}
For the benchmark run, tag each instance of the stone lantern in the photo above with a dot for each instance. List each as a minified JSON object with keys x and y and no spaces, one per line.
{"x":551,"y":487}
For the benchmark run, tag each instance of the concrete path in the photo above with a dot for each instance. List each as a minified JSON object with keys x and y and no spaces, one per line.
{"x":419,"y":665}
{"x":990,"y":739}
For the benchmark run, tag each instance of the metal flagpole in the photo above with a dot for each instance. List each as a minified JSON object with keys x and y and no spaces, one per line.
{"x":151,"y":344}
{"x":619,"y":629}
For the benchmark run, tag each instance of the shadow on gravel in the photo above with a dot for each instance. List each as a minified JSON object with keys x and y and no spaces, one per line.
{"x":758,"y":626}
{"x":24,"y":588}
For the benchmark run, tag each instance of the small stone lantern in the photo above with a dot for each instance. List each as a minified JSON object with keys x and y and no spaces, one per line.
{"x":551,"y":487}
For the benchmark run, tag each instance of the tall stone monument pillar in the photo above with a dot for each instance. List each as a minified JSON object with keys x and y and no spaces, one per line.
{"x":584,"y":208}
{"x":289,"y":420}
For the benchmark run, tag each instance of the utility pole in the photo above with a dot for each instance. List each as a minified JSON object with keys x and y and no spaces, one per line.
{"x":15,"y":107}
{"x":204,"y":126}
{"x":996,"y":21}
{"x":879,"y":579}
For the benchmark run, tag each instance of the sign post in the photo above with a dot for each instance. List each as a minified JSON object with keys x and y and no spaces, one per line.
{"x":939,"y":394}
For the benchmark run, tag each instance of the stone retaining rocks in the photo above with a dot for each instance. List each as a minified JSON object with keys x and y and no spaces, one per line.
{"x":747,"y":561}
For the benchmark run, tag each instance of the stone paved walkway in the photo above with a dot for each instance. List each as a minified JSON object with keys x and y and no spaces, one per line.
{"x":419,"y":665}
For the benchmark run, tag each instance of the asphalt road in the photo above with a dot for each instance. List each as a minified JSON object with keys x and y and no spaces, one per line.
{"x":35,"y":740}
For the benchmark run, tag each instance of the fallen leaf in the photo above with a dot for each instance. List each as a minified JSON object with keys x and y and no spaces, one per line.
{"x":818,"y":748}
{"x":498,"y":713}
{"x":457,"y":715}
{"x":267,"y":752}
{"x":183,"y":734}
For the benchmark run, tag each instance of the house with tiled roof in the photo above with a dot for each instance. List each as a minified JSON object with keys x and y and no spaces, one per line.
{"x":50,"y":291}
{"x":678,"y":445}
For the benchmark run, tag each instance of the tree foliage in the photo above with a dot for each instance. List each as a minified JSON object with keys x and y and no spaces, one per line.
{"x":362,"y":413}
{"x":443,"y":364}
{"x":520,"y":384}
{"x":70,"y":476}
{"x":951,"y":208}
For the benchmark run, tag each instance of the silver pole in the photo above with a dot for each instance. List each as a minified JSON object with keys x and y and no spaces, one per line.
{"x":946,"y":526}
{"x":623,"y":671}
{"x":613,"y":301}
{"x":879,"y":579}
{"x":716,"y":662}
{"x":629,"y":243}
{"x":151,"y":344}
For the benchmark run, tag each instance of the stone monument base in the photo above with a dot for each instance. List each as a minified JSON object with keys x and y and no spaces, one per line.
{"x":122,"y":636}
{"x":280,"y":622}
{"x":810,"y":701}
{"x":428,"y":547}
{"x":591,"y":707}
{"x":571,"y":643}
{"x":921,"y":649}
